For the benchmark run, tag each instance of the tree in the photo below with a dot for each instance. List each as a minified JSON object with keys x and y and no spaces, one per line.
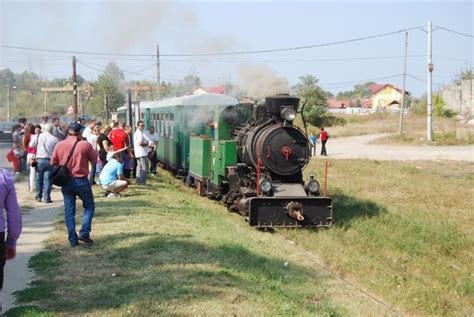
{"x":315,"y":98}
{"x":359,"y":91}
{"x":111,"y":83}
{"x":189,"y":82}
{"x":7,"y":77}
{"x":440,"y":107}
{"x":463,"y":74}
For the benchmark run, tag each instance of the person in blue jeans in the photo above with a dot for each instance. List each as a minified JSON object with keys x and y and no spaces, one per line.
{"x":78,"y":185}
{"x":43,"y":180}
{"x":44,"y":143}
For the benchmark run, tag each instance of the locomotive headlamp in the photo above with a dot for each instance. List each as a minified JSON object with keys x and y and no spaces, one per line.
{"x":313,"y":186}
{"x":288,"y":113}
{"x":266,"y":186}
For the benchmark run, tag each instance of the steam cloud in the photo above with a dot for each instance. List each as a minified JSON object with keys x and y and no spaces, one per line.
{"x":258,"y":81}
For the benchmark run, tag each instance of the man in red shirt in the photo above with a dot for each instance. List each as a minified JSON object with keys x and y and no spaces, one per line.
{"x":79,"y":184}
{"x":323,"y":136}
{"x":120,"y":139}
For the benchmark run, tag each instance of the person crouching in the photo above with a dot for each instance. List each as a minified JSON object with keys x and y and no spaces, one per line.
{"x":112,"y":178}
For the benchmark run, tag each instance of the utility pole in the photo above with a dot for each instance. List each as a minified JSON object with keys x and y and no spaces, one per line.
{"x":74,"y":84}
{"x":106,"y":108}
{"x":129,"y":103}
{"x":8,"y":103}
{"x":158,"y":76}
{"x":429,"y":128}
{"x":402,"y":105}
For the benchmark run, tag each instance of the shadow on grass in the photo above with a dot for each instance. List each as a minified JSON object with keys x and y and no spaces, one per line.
{"x":347,"y":209}
{"x":155,"y":272}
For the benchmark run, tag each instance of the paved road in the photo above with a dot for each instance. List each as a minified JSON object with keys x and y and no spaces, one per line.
{"x":359,"y":147}
{"x":37,"y":225}
{"x":4,"y":148}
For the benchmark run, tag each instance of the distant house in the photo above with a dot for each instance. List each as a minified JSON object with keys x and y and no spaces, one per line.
{"x":338,"y":104}
{"x":384,"y":96}
{"x":349,"y":103}
{"x":212,"y":90}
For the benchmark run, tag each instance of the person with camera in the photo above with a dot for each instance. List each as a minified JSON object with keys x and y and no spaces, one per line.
{"x":76,"y":154}
{"x":44,"y":143}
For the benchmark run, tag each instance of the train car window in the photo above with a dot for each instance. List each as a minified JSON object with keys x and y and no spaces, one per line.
{"x":162,"y":124}
{"x":167,"y":125}
{"x":171,"y":126}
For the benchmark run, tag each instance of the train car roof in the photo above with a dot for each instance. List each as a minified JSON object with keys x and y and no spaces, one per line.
{"x":189,"y":100}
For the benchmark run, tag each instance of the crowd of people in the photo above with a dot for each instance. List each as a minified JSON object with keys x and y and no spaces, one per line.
{"x":93,"y":153}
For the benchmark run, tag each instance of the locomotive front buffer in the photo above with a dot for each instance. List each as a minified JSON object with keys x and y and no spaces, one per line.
{"x":266,"y":212}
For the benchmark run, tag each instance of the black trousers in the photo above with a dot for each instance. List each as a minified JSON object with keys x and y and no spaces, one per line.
{"x":2,"y":257}
{"x":323,"y":147}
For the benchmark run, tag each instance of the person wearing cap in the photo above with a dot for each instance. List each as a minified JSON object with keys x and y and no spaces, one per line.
{"x":79,"y":184}
{"x":44,"y":143}
{"x":111,"y":178}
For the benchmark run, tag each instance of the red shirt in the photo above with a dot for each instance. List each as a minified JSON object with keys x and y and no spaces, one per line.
{"x":323,"y":135}
{"x":79,"y":163}
{"x":119,"y":139}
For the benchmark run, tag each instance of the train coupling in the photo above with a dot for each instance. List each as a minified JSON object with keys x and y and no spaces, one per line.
{"x":295,"y":210}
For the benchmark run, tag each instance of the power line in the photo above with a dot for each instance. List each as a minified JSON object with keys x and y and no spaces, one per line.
{"x":295,"y":48}
{"x":125,"y":71}
{"x":344,"y":84}
{"x":455,"y":32}
{"x":217,"y":54}
{"x":289,"y":60}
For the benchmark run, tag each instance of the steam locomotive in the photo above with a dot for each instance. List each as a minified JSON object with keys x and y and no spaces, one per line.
{"x":250,"y":156}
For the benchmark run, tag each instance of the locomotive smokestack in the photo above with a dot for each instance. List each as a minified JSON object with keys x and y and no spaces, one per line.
{"x":274,"y":104}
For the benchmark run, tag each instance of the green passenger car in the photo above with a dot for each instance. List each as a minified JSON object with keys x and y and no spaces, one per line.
{"x":177,"y":119}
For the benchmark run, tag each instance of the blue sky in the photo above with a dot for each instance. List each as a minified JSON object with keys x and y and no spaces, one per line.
{"x":134,"y":27}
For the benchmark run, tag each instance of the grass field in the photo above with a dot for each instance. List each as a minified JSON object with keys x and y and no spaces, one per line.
{"x":164,"y":250}
{"x":404,"y":230}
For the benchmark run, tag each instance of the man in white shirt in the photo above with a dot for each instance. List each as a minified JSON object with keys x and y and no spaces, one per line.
{"x":44,"y":143}
{"x":88,"y":130}
{"x":154,"y":137}
{"x":45,"y":122}
{"x":140,"y":147}
{"x":92,"y":139}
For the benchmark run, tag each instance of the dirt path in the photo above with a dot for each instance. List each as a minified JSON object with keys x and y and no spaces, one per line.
{"x":37,"y":225}
{"x":358,"y":147}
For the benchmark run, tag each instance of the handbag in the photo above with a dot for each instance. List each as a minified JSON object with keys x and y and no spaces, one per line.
{"x":62,"y":175}
{"x":34,"y":162}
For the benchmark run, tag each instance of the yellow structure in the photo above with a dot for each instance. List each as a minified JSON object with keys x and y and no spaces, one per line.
{"x":385,"y":96}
